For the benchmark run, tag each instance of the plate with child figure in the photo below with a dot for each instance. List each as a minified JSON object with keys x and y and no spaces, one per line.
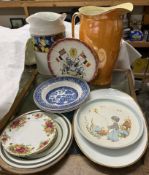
{"x":109,"y":123}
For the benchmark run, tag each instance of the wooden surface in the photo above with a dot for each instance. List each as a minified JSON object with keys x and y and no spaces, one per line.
{"x":146,"y":16}
{"x":25,"y":4}
{"x":18,"y":99}
{"x":131,"y":85}
{"x":139,"y":44}
{"x":80,"y":165}
{"x":141,"y":75}
{"x":67,"y":3}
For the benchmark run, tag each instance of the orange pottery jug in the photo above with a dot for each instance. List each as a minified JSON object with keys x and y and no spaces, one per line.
{"x":101,"y":28}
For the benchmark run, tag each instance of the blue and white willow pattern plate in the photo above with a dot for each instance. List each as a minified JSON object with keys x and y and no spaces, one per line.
{"x":61,"y":94}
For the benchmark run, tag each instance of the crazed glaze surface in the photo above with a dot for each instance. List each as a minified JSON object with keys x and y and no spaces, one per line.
{"x":103,"y":33}
{"x":101,"y":28}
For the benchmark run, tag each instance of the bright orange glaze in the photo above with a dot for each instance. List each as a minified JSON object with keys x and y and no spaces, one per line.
{"x":103,"y":31}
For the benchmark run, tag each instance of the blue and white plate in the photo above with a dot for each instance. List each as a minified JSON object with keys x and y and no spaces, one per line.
{"x":61,"y":94}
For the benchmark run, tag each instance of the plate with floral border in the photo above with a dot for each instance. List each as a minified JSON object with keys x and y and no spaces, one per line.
{"x":109,"y":123}
{"x":48,"y":157}
{"x":72,"y":57}
{"x":61,"y":94}
{"x":29,"y":134}
{"x":62,"y":136}
{"x":49,"y":150}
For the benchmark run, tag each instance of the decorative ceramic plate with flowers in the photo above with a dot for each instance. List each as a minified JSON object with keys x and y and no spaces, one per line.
{"x":61,"y":94}
{"x":109,"y":123}
{"x":29,"y":134}
{"x":71,"y":57}
{"x":49,"y":156}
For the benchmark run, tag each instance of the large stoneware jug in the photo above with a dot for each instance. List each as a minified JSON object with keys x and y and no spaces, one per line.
{"x":101,"y":28}
{"x":45,"y":29}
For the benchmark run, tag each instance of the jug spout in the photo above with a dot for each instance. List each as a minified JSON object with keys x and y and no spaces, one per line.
{"x":45,"y":17}
{"x":62,"y":17}
{"x":46,"y":23}
{"x":32,"y":19}
{"x":122,"y":8}
{"x":94,"y":10}
{"x":125,"y":7}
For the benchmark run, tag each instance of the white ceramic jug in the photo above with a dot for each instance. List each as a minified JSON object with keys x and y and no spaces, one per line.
{"x":45,"y":29}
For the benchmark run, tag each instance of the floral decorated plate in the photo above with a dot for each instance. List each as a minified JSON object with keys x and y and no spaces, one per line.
{"x":29,"y":134}
{"x":50,"y":155}
{"x":71,"y":57}
{"x":30,"y":159}
{"x":109,"y":123}
{"x":61,"y":94}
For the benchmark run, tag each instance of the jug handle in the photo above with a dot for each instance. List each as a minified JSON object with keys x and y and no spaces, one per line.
{"x":73,"y":23}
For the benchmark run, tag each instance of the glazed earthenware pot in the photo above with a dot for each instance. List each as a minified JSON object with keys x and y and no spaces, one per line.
{"x":101,"y":28}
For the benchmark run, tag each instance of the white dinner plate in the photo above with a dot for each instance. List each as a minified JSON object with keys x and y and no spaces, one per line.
{"x":108,"y":157}
{"x":52,"y":156}
{"x":109,"y":123}
{"x":29,"y":134}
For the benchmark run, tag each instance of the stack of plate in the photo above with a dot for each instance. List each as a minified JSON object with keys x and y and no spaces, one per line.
{"x":61,"y":94}
{"x":110,"y":129}
{"x":35,"y":140}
